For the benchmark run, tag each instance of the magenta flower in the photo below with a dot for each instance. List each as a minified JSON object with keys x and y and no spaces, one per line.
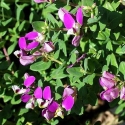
{"x":61,"y":13}
{"x":43,"y":97}
{"x":31,"y":103}
{"x":25,"y":98}
{"x":68,"y":100}
{"x":50,"y":111}
{"x":108,"y":75}
{"x":122,"y":93}
{"x":73,"y":26}
{"x":28,"y":46}
{"x":29,"y":80}
{"x":106,"y":83}
{"x":110,"y":94}
{"x":17,"y":90}
{"x":41,"y":1}
{"x":48,"y":47}
{"x":24,"y":58}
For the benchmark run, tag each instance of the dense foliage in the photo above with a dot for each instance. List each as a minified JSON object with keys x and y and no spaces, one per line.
{"x":58,"y":56}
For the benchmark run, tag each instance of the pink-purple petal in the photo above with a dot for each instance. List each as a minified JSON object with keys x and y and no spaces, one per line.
{"x":76,"y":40}
{"x":31,"y":35}
{"x":22,"y":43}
{"x":108,"y":75}
{"x":67,"y":91}
{"x":32,"y":45}
{"x":106,"y":83}
{"x":25,"y":60}
{"x":38,"y":93}
{"x":122,"y":93}
{"x":47,"y":114}
{"x":79,"y":16}
{"x":68,"y":21}
{"x":25,"y":98}
{"x":68,"y":103}
{"x":61,"y":13}
{"x":29,"y":81}
{"x":53,"y":106}
{"x":47,"y":93}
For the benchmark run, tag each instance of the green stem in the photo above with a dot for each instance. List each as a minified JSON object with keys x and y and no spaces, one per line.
{"x":57,"y":61}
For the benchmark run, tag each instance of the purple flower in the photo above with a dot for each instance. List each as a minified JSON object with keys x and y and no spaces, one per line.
{"x":122,"y":93}
{"x":108,"y":75}
{"x":72,"y":25}
{"x":61,"y":13}
{"x":24,"y":58}
{"x":17,"y":90}
{"x":110,"y":94}
{"x":68,"y":100}
{"x":50,"y":111}
{"x":30,"y":103}
{"x":41,"y":1}
{"x":25,"y":98}
{"x":76,"y":40}
{"x":106,"y":83}
{"x":43,"y":97}
{"x":28,"y":46}
{"x":29,"y":80}
{"x":48,"y":47}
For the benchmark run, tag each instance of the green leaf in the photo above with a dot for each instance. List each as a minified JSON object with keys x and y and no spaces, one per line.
{"x":114,"y":61}
{"x":109,"y":46}
{"x":39,"y":66}
{"x":108,"y":6}
{"x":4,"y":5}
{"x":93,"y":27}
{"x":23,"y":111}
{"x":92,"y":20}
{"x":39,"y":26}
{"x":11,"y":48}
{"x":89,"y":79}
{"x":75,"y":71}
{"x":122,"y":68}
{"x":101,"y":36}
{"x":58,"y":74}
{"x":15,"y":100}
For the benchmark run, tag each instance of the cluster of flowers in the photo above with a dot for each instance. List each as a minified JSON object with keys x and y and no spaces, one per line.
{"x":29,"y":42}
{"x":113,"y":87}
{"x":73,"y":23}
{"x":33,"y":96}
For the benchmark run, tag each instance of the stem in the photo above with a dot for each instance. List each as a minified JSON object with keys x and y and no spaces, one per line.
{"x":74,"y":5}
{"x":57,"y":61}
{"x":58,"y":29}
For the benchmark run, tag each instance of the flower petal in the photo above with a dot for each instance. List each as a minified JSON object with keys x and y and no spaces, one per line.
{"x":68,"y":21}
{"x":25,"y":97}
{"x":22,"y":43}
{"x":47,"y":93}
{"x":32,"y":45}
{"x":67,"y":91}
{"x":68,"y":103}
{"x":106,"y":83}
{"x":38,"y":93}
{"x":61,"y":13}
{"x":48,"y":47}
{"x":79,"y":16}
{"x":25,"y":60}
{"x":29,"y":81}
{"x":108,"y":75}
{"x":76,"y":40}
{"x":31,"y":35}
{"x":53,"y":106}
{"x":47,"y":114}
